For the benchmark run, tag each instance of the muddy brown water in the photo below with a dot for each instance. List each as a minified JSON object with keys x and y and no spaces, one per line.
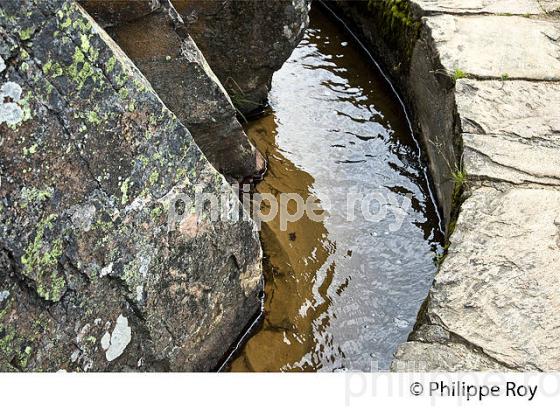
{"x":339,"y":294}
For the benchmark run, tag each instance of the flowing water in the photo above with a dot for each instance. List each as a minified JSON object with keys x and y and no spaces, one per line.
{"x":340,"y":294}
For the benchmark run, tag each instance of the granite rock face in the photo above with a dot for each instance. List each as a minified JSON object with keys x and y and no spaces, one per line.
{"x":159,"y":45}
{"x":245,"y":42}
{"x":92,"y":276}
{"x":433,"y":349}
{"x":482,"y":79}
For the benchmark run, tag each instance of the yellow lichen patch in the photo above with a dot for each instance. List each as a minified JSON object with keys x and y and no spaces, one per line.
{"x":40,"y":262}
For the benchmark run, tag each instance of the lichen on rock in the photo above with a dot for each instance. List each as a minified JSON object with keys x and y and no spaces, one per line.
{"x":161,"y":48}
{"x":11,"y":112}
{"x":82,"y":227}
{"x":115,"y":343}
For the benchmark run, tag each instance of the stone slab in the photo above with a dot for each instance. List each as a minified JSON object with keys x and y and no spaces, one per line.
{"x":435,"y":357}
{"x":511,"y":130}
{"x":526,"y":110}
{"x":496,"y":46}
{"x":519,"y":7}
{"x":499,"y":289}
{"x":502,"y":158}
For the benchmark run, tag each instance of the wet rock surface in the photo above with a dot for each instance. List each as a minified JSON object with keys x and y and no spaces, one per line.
{"x":245,"y":42}
{"x":490,"y":69}
{"x":91,"y":278}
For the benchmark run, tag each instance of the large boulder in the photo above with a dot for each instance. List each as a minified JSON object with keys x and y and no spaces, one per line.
{"x":92,"y":277}
{"x":245,"y":42}
{"x":161,"y":48}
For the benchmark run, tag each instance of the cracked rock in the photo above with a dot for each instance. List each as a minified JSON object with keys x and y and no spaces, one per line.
{"x":245,"y":42}
{"x":88,"y":177}
{"x":161,"y":48}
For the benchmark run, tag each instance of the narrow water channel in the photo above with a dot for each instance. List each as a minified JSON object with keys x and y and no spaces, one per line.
{"x":340,"y":294}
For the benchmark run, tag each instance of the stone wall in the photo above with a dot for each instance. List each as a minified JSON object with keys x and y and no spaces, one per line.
{"x":406,"y":50}
{"x":482,"y":79}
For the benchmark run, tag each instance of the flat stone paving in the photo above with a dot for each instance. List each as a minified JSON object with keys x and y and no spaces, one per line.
{"x":496,"y":46}
{"x":509,"y":7}
{"x":495,"y":301}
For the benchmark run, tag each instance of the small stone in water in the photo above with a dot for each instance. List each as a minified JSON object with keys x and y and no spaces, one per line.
{"x":400,"y":322}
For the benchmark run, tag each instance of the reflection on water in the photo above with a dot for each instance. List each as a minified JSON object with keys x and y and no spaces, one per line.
{"x":339,"y":294}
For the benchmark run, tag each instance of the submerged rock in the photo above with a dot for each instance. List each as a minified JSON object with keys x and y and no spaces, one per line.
{"x":91,"y":275}
{"x":161,"y":48}
{"x":245,"y":42}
